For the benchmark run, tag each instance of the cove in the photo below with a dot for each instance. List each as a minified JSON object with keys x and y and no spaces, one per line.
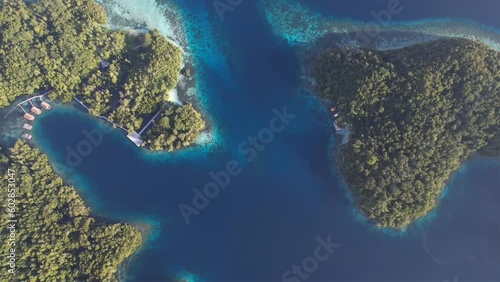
{"x":270,"y":215}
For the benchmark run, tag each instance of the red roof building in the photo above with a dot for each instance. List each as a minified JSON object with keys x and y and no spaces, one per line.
{"x":29,"y":117}
{"x":45,"y":105}
{"x":36,"y":110}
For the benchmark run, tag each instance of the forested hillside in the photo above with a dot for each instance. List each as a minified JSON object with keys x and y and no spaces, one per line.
{"x":177,"y":127}
{"x":416,"y":113}
{"x":62,"y":46}
{"x":48,"y":44}
{"x":55,"y":238}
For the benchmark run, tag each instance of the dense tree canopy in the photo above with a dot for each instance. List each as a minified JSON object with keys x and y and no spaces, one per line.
{"x":139,"y":76}
{"x":61,"y":45}
{"x":177,"y":127}
{"x":56,"y":239}
{"x":48,"y":44}
{"x":416,"y":114}
{"x":4,"y":161}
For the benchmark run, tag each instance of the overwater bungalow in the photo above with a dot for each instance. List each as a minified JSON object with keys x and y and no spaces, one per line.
{"x":29,"y":117}
{"x":27,"y":126}
{"x":45,"y":105}
{"x":36,"y":110}
{"x":27,"y":136}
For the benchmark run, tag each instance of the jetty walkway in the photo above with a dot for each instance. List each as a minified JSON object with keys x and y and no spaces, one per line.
{"x":133,"y":136}
{"x":101,"y":117}
{"x":20,"y":104}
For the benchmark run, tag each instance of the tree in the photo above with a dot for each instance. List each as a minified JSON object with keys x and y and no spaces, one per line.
{"x":416,"y":113}
{"x":61,"y":45}
{"x":177,"y":127}
{"x":56,"y":239}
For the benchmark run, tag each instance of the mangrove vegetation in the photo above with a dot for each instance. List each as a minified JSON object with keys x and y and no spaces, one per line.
{"x":55,"y":238}
{"x":63,"y":46}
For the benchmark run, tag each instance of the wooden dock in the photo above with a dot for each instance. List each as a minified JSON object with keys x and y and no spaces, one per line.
{"x":136,"y":138}
{"x":153,"y":119}
{"x":34,"y":109}
{"x":132,"y":136}
{"x":101,"y":117}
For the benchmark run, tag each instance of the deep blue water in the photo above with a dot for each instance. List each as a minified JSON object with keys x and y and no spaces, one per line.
{"x":269,"y":216}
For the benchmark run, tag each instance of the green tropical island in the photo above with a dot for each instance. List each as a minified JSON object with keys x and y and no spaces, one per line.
{"x":415,"y":115}
{"x":62,"y":46}
{"x":55,"y":237}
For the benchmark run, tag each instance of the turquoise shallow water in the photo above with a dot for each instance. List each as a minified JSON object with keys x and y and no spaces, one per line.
{"x":270,"y":215}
